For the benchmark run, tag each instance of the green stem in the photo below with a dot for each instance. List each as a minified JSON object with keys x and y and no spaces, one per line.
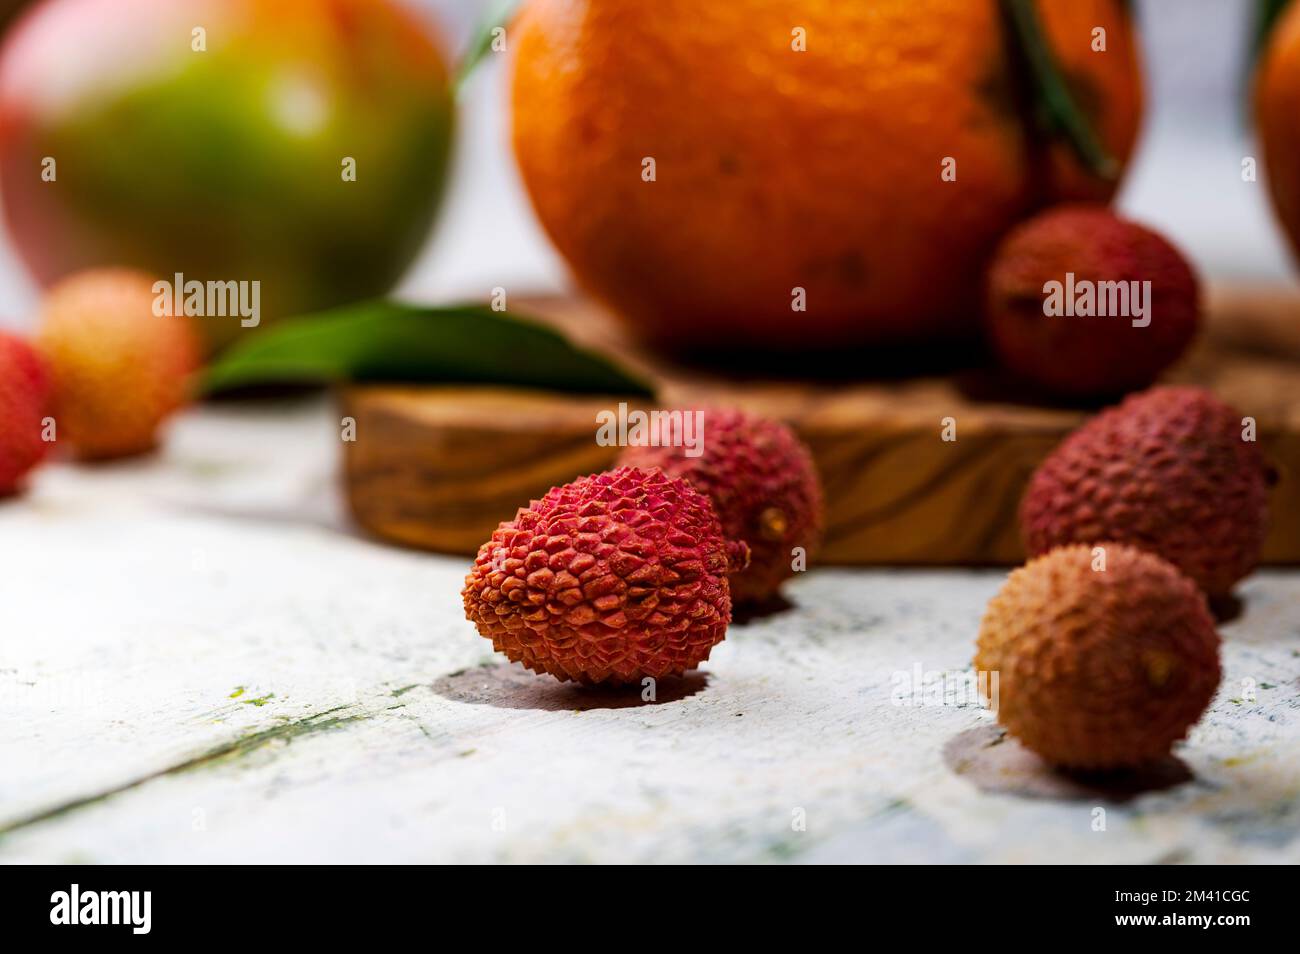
{"x":498,"y":16}
{"x":1063,"y":115}
{"x":1267,"y":13}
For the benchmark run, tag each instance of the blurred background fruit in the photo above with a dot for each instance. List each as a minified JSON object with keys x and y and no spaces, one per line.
{"x":221,"y":155}
{"x":1102,"y":353}
{"x":1277,"y":104}
{"x":24,"y":403}
{"x":777,"y":169}
{"x":119,"y":369}
{"x":9,"y":9}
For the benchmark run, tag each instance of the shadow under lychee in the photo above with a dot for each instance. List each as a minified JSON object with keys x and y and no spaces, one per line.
{"x":745,"y":613}
{"x":994,"y":385}
{"x":995,"y":763}
{"x":884,"y":362}
{"x":1225,"y":609}
{"x":513,"y":687}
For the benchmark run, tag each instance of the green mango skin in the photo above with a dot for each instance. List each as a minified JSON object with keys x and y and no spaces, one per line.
{"x":225,"y":163}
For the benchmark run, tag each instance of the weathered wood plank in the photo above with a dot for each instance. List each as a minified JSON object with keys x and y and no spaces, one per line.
{"x":374,"y":724}
{"x":439,"y":467}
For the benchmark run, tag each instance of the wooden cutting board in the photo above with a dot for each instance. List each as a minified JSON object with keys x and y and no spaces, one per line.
{"x":440,"y":467}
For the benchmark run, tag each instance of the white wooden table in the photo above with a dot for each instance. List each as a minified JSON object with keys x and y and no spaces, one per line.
{"x":201,"y":662}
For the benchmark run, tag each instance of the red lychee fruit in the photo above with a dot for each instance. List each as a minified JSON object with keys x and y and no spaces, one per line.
{"x":764,"y":488}
{"x":1099,"y":666}
{"x":119,"y":370}
{"x":1168,"y":470}
{"x":1044,"y":333}
{"x":24,"y":403}
{"x":612,"y":578}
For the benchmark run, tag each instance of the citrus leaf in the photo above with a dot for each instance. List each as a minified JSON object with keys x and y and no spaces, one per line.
{"x":1063,"y":115}
{"x":498,"y":15}
{"x":392,"y":341}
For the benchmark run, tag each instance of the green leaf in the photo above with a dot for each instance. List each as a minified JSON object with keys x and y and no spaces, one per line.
{"x":391,"y":341}
{"x":1267,"y":13}
{"x":498,"y":15}
{"x":1063,"y":115}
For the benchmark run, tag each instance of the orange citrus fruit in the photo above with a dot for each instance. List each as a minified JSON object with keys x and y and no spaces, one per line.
{"x":1277,"y":109}
{"x":701,"y":164}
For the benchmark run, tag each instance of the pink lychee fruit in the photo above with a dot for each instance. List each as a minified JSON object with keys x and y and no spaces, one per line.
{"x":25,"y":396}
{"x":612,"y":578}
{"x":764,"y":487}
{"x":1170,"y":471}
{"x":1093,"y":262}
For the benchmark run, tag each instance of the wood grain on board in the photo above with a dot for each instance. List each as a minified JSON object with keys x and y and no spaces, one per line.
{"x":440,"y":467}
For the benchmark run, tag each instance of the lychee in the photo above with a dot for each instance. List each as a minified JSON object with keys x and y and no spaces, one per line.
{"x":763,"y":485}
{"x":1102,"y":659}
{"x":119,"y":370}
{"x":24,"y":403}
{"x":1169,"y":470}
{"x":1085,"y":304}
{"x":612,"y":578}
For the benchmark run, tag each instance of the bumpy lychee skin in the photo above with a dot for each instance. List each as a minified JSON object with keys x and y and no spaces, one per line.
{"x":1089,"y":356}
{"x":609,"y":579}
{"x":1167,"y":471}
{"x":119,"y":370}
{"x":764,"y":487}
{"x":24,"y":403}
{"x":1099,"y":668}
